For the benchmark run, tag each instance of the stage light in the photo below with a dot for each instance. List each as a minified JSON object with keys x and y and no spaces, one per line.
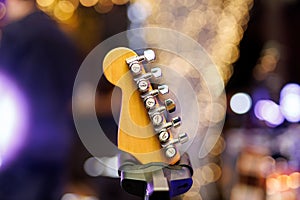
{"x":13,"y":118}
{"x":290,"y":102}
{"x":268,"y":111}
{"x":240,"y":103}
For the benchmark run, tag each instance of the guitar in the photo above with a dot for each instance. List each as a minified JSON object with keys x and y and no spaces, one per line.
{"x":144,"y":132}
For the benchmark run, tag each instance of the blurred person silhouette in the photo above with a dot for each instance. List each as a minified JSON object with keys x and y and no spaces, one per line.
{"x":42,"y":62}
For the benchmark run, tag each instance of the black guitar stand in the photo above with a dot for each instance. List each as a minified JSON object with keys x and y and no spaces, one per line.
{"x":155,"y":180}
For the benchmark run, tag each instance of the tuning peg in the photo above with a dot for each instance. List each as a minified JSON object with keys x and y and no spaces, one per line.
{"x":163,"y":89}
{"x":175,"y":122}
{"x":170,"y":105}
{"x":135,"y":68}
{"x":148,"y":56}
{"x":156,"y":72}
{"x":150,"y":102}
{"x":143,"y":85}
{"x":163,"y":136}
{"x":182,"y":138}
{"x":169,"y":147}
{"x":156,"y":115}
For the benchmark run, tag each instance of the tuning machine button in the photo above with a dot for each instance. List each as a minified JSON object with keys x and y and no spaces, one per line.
{"x":148,"y":56}
{"x":175,"y":122}
{"x":170,"y":105}
{"x":156,"y":72}
{"x":162,"y":89}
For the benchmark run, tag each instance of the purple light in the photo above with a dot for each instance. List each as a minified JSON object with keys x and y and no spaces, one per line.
{"x":290,"y":102}
{"x":12,"y":119}
{"x":268,"y":111}
{"x":290,"y":88}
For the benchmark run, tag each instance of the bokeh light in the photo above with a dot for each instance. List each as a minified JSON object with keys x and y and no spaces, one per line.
{"x":105,"y":166}
{"x":268,"y":111}
{"x":13,"y":118}
{"x":88,"y":3}
{"x":104,"y":6}
{"x":240,"y":103}
{"x":290,"y":102}
{"x":2,"y":10}
{"x":73,"y":196}
{"x":93,"y":167}
{"x":64,"y":10}
{"x":45,"y":3}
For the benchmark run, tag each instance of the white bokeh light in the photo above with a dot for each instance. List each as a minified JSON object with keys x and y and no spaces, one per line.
{"x":13,"y":118}
{"x":240,"y":103}
{"x":290,"y":102}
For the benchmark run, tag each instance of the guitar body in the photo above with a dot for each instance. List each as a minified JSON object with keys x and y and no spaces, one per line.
{"x":136,"y":134}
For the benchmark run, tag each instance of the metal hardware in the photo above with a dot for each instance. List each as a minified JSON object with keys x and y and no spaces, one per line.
{"x":149,"y":102}
{"x":157,"y":119}
{"x":163,"y":136}
{"x":135,"y":68}
{"x":156,"y":72}
{"x":182,"y":138}
{"x":170,"y":151}
{"x":143,"y":85}
{"x":175,"y":122}
{"x":148,"y":56}
{"x":162,"y":89}
{"x":158,"y":110}
{"x":170,"y":105}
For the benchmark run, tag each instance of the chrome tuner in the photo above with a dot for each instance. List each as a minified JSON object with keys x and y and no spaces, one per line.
{"x":182,"y":138}
{"x":162,"y":89}
{"x":148,"y":56}
{"x":170,"y":105}
{"x":150,"y":102}
{"x":163,"y":136}
{"x":135,"y":68}
{"x":156,"y":72}
{"x":143,"y":85}
{"x":170,"y":151}
{"x":157,"y":119}
{"x":156,"y":116}
{"x":175,"y":122}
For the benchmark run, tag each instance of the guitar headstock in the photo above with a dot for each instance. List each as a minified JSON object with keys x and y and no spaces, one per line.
{"x":143,"y":129}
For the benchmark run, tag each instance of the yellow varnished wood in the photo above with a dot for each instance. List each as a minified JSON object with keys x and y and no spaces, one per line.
{"x":136,"y":134}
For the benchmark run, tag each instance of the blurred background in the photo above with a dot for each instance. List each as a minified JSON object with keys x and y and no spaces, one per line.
{"x":255,"y":45}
